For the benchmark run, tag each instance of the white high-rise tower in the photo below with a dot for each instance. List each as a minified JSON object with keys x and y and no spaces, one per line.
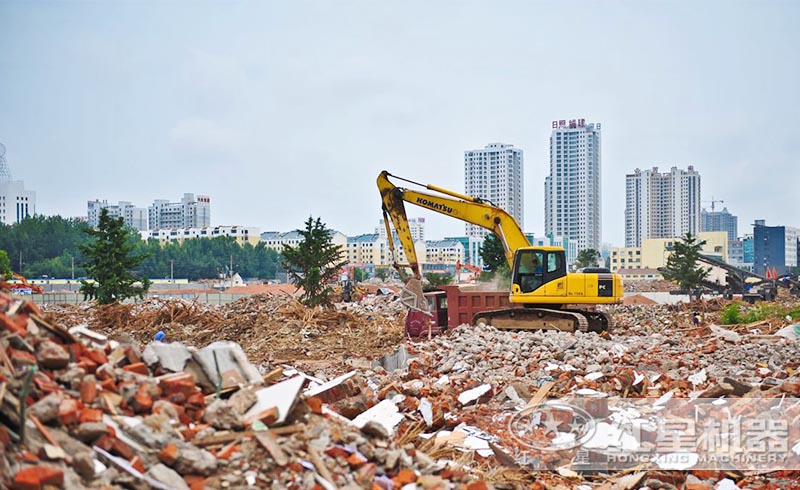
{"x":493,"y":173}
{"x":572,"y":190}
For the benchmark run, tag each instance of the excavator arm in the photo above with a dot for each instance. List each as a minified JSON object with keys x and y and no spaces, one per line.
{"x":465,"y":208}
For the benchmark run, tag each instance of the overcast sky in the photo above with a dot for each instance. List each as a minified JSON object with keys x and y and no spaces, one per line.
{"x":281,"y":110}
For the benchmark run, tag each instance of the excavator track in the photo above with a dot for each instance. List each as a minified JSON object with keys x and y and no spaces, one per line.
{"x":598,"y":321}
{"x":534,"y":319}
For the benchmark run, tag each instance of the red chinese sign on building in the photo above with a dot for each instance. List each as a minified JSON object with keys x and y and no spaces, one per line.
{"x":572,"y":123}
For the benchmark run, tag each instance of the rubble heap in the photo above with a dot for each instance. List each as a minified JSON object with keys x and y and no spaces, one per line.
{"x":269,"y":327}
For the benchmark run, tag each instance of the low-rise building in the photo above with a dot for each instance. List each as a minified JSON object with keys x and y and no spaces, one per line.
{"x":654,"y":252}
{"x":242,"y":234}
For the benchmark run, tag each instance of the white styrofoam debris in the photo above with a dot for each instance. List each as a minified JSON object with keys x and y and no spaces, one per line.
{"x":664,"y":398}
{"x":594,"y":376}
{"x":384,"y":413}
{"x":473,"y":394}
{"x":699,"y":377}
{"x":426,"y":409}
{"x":726,"y":484}
{"x":591,"y":393}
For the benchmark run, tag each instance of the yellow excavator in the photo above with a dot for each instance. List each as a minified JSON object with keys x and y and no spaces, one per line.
{"x":548,"y":297}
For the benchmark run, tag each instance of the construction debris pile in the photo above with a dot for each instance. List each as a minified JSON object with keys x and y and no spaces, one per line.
{"x":649,"y":285}
{"x":270,"y":328}
{"x":90,"y":401}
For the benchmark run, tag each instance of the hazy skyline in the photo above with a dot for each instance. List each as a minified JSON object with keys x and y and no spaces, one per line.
{"x":279,"y":110}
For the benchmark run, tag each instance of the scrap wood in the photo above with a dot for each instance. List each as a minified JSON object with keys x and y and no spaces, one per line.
{"x":46,"y":433}
{"x":538,"y":397}
{"x":626,"y":482}
{"x":315,"y":458}
{"x":219,"y":438}
{"x":54,"y":328}
{"x":267,"y":439}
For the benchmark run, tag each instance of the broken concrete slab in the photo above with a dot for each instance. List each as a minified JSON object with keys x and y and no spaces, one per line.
{"x":229,"y":360}
{"x":170,"y":356}
{"x":281,"y":395}
{"x":385,"y":415}
{"x":397,"y":360}
{"x":474,"y":394}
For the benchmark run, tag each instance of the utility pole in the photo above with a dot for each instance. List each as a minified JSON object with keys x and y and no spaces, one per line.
{"x":171,"y":271}
{"x":231,"y":269}
{"x":73,"y":267}
{"x":20,"y":261}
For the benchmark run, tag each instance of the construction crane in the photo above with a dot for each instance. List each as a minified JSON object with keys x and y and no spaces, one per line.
{"x":713,"y":202}
{"x":540,"y":282}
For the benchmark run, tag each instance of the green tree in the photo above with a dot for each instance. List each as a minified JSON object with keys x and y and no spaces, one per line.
{"x":435,"y":280}
{"x":110,"y":258}
{"x":314,"y":263}
{"x":682,"y":264}
{"x":587,"y":257}
{"x":494,"y":258}
{"x":5,"y":265}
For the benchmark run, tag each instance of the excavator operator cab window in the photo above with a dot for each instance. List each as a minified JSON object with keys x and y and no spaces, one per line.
{"x":529,"y":274}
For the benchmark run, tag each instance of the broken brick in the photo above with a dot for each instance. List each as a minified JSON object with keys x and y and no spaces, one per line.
{"x":138,"y":368}
{"x":88,"y":389}
{"x":33,"y":477}
{"x":20,"y":358}
{"x":315,"y":405}
{"x":169,"y":454}
{"x":90,"y":415}
{"x":51,"y":355}
{"x":68,"y":411}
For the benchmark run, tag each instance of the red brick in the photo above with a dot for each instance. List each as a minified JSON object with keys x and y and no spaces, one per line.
{"x":21,"y":358}
{"x":169,"y":454}
{"x":13,"y":326}
{"x":180,"y":383}
{"x":315,"y":405}
{"x":142,"y":401}
{"x":90,"y":415}
{"x":88,"y":390}
{"x":131,"y":355}
{"x":68,"y":411}
{"x":404,"y":477}
{"x":5,"y":440}
{"x":477,"y":485}
{"x":115,"y":446}
{"x":268,"y":416}
{"x":97,"y":356}
{"x":138,"y":367}
{"x":33,"y":477}
{"x":196,"y":482}
{"x":137,"y":464}
{"x":108,"y":384}
{"x":698,"y":486}
{"x":29,"y":457}
{"x":196,"y":400}
{"x":44,"y":383}
{"x":30,"y":308}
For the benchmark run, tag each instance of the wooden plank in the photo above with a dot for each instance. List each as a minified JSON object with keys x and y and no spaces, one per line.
{"x":315,"y":458}
{"x":538,"y":397}
{"x":217,"y":439}
{"x":267,"y":439}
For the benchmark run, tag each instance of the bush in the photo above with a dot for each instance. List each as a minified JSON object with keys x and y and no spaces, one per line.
{"x":730,"y":315}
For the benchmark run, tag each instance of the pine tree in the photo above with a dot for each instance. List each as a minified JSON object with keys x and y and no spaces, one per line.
{"x":109,"y":260}
{"x":682,"y":264}
{"x":314,"y":263}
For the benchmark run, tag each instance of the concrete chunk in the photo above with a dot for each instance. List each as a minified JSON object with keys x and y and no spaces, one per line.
{"x":170,"y":356}
{"x":282,"y":395}
{"x":230,"y":358}
{"x":168,"y":476}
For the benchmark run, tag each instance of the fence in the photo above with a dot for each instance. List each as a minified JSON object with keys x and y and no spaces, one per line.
{"x":76,"y":298}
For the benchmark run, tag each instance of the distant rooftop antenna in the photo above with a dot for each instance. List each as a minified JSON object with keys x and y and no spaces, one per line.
{"x":5,"y":171}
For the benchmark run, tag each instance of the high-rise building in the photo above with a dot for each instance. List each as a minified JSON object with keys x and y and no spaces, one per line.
{"x":775,"y":247}
{"x":720,"y":221}
{"x":133,"y":217}
{"x":661,"y":205}
{"x":16,"y":203}
{"x":192,"y":212}
{"x":572,"y":190}
{"x":493,"y":173}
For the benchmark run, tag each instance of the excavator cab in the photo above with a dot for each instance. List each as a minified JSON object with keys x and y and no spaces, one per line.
{"x":534,"y":267}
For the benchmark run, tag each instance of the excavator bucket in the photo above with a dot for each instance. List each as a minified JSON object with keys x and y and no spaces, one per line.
{"x":413,"y":297}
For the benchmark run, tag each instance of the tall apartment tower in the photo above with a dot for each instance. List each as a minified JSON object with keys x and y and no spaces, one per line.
{"x":661,"y":205}
{"x":493,"y":173}
{"x":572,"y":190}
{"x":16,"y":203}
{"x":192,"y":212}
{"x":720,"y":221}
